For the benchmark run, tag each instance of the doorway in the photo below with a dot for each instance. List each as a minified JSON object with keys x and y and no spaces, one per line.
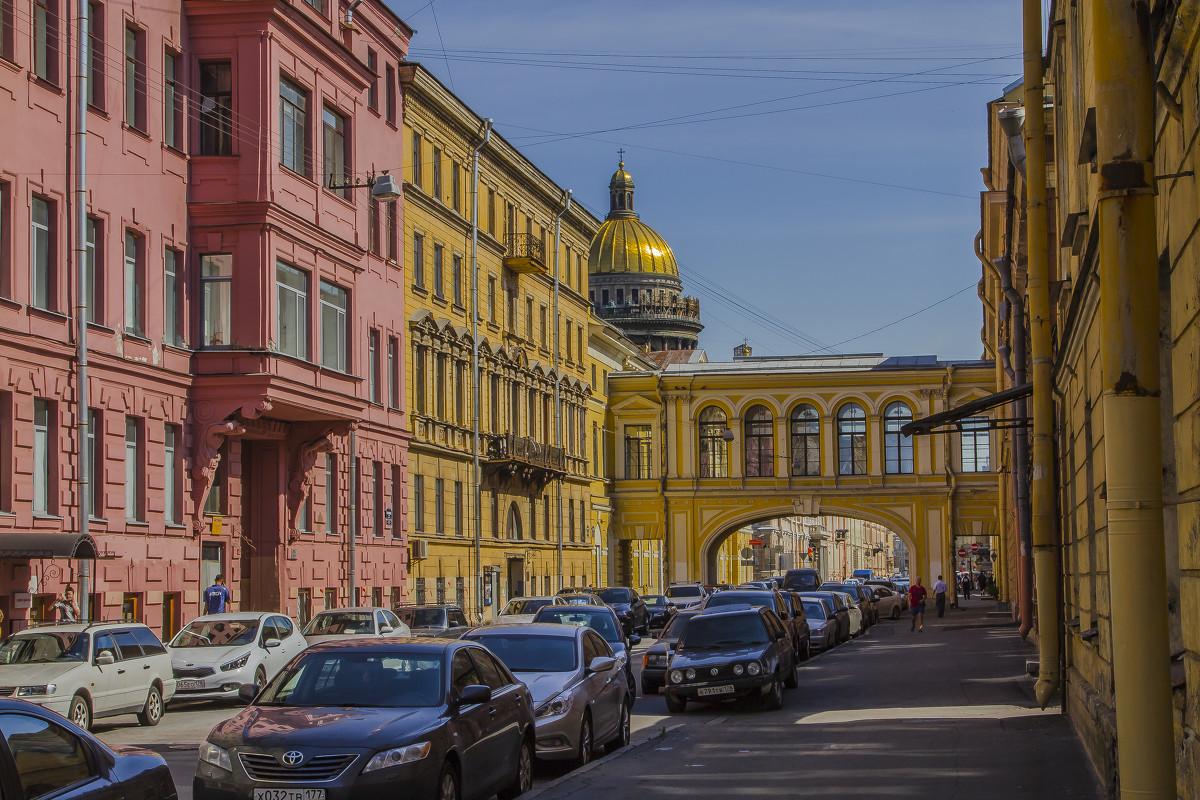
{"x":516,"y":577}
{"x":263,"y":493}
{"x":212,"y":564}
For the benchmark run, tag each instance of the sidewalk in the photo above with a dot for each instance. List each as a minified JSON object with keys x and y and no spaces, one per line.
{"x":944,"y":713}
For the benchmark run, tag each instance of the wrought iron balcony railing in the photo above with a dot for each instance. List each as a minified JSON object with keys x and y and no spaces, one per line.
{"x":525,"y":253}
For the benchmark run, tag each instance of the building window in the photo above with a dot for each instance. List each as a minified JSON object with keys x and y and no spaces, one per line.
{"x":216,"y":278}
{"x":494,"y":402}
{"x":337,"y":165}
{"x":897,"y":448}
{"x":418,"y":261}
{"x":529,"y":319}
{"x":374,"y":242}
{"x":571,"y":519}
{"x":293,"y":127}
{"x":135,"y":78}
{"x":806,"y":441}
{"x":852,"y":440}
{"x":214,"y":504}
{"x":373,"y":386}
{"x":291,"y":291}
{"x":171,"y":488}
{"x":976,"y":446}
{"x":491,"y":211}
{"x":42,"y":253}
{"x":172,"y":103}
{"x":45,"y":438}
{"x":514,"y":522}
{"x":637,"y":451}
{"x":377,"y":506}
{"x":416,"y":159}
{"x":216,"y":108}
{"x":373,"y":86}
{"x":331,"y":493}
{"x":392,"y":232}
{"x":134,"y":283}
{"x":492,"y":299}
{"x":437,"y":173}
{"x":458,"y":508}
{"x":419,"y":503}
{"x":439,"y":387}
{"x":456,"y":279}
{"x":542,"y":327}
{"x":545,"y":518}
{"x":460,"y":392}
{"x":455,"y":186}
{"x":393,"y":372}
{"x":397,"y":493}
{"x":96,"y":53}
{"x":171,"y":331}
{"x":134,"y":509}
{"x":495,"y":515}
{"x":437,"y":270}
{"x":333,"y":327}
{"x":95,"y":462}
{"x":419,"y":378}
{"x":94,"y":268}
{"x":714,"y":452}
{"x":389,"y":96}
{"x":439,"y":505}
{"x":45,"y":40}
{"x":760,"y":443}
{"x":5,"y":239}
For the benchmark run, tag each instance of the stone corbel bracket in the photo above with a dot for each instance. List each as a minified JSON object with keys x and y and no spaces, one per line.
{"x":207,"y":452}
{"x":304,"y":458}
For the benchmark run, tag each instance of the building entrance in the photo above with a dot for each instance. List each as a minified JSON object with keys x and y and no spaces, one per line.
{"x":262,"y":524}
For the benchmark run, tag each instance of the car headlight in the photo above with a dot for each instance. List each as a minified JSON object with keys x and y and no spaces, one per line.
{"x":691,"y":674}
{"x":397,"y":756}
{"x":559,"y":704}
{"x":218,"y":757}
{"x":676,"y":677}
{"x":658,"y":661}
{"x":237,"y":663}
{"x":36,"y":691}
{"x":738,"y":669}
{"x":754,"y":668}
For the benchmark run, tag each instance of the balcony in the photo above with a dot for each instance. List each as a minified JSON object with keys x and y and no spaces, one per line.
{"x":680,"y":311}
{"x":519,"y":458}
{"x":525,"y":254}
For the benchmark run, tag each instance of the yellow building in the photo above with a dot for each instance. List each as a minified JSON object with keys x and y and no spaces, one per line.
{"x":530,"y":344}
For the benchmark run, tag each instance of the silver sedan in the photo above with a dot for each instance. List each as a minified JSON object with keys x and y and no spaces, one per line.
{"x":580,"y":696}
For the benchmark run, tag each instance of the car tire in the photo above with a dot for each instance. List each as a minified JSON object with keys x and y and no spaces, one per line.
{"x":791,"y":681}
{"x":649,"y":688}
{"x":152,"y":713}
{"x":523,"y":780}
{"x":447,"y":785}
{"x":895,"y":612}
{"x":80,"y":712}
{"x":675,"y":704}
{"x":584,"y":754}
{"x":622,"y":737}
{"x":260,"y":676}
{"x":773,"y":700}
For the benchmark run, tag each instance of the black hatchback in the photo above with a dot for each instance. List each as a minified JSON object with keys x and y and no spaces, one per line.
{"x":381,"y":718}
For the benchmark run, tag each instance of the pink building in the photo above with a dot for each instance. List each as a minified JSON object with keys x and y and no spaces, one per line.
{"x":246,"y":324}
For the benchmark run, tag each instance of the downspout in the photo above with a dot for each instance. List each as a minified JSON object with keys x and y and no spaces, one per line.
{"x":557,"y":396}
{"x":662,"y":424}
{"x":351,"y":588}
{"x":79,"y":202}
{"x":348,"y":20}
{"x":1045,"y":551}
{"x":487,"y":134}
{"x":1131,"y":393}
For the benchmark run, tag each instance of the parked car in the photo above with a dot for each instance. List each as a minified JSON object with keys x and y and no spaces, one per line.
{"x":216,"y":654}
{"x":842,"y":606}
{"x":686,"y":596}
{"x":444,"y":621}
{"x":659,"y":610}
{"x":890,"y":603}
{"x":520,"y":610}
{"x":44,"y":755}
{"x":858,"y":598}
{"x":580,"y":697}
{"x":858,"y":622}
{"x":866,"y":595}
{"x":802,"y":580}
{"x":364,"y":717}
{"x":657,"y":658}
{"x":630,"y":608}
{"x":86,"y":671}
{"x":579,"y":599}
{"x":863,"y":575}
{"x":603,"y":620}
{"x":340,"y":623}
{"x":731,"y":653}
{"x":754,"y":585}
{"x":797,"y":626}
{"x":822,"y":622}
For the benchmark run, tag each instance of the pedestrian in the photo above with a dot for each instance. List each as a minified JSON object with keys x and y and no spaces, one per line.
{"x":966,"y":586}
{"x":66,"y":609}
{"x":939,"y":596}
{"x":916,"y":605}
{"x":217,"y":597}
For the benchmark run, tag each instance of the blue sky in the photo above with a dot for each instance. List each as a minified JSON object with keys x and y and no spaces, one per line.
{"x":841,"y":209}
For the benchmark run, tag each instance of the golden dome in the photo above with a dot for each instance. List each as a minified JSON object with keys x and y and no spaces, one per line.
{"x":629,"y":245}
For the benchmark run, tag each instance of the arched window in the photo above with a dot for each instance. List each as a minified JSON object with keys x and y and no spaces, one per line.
{"x":806,"y":440}
{"x":897,"y":448}
{"x":714,"y":452}
{"x":514,"y":522}
{"x":852,"y":440}
{"x":760,"y":443}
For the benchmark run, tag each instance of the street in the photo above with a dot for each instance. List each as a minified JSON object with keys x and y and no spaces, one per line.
{"x":891,"y":713}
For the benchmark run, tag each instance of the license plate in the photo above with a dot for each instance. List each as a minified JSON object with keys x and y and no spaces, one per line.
{"x":189,"y":685}
{"x":708,"y":690}
{"x":289,"y":794}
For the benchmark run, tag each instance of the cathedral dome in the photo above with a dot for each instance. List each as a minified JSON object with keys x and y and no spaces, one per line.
{"x":624,"y":244}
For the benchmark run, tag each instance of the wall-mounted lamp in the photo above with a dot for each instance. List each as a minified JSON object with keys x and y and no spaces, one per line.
{"x":383,"y":187}
{"x":727,"y":434}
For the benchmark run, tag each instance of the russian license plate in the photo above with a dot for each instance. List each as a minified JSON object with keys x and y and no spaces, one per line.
{"x":289,"y":794}
{"x":185,"y":685}
{"x":704,"y":691}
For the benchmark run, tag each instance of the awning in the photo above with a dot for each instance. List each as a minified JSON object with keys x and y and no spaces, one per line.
{"x":944,"y":418}
{"x":35,"y":544}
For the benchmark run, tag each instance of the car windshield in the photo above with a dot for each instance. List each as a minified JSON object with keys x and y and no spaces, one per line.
{"x":738,"y":599}
{"x":655,"y":600}
{"x":601,"y":623}
{"x":684,"y":591}
{"x":423,"y":617}
{"x":724,"y":631}
{"x":217,"y":633}
{"x":524,"y":653}
{"x":615,"y":595}
{"x":333,"y":623}
{"x":44,"y":648}
{"x":355,"y":679}
{"x":678,"y":623}
{"x":525,"y":606}
{"x":800,"y":581}
{"x":579,"y":600}
{"x":814,"y":609}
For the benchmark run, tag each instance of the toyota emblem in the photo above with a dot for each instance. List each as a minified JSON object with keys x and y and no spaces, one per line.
{"x":292,"y":758}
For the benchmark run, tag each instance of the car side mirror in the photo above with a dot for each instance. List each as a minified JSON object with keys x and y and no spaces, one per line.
{"x":602,"y":664}
{"x":474,"y":694}
{"x":105,"y":658}
{"x":634,"y":639}
{"x":247,"y":692}
{"x":386,"y":628}
{"x":270,"y":643}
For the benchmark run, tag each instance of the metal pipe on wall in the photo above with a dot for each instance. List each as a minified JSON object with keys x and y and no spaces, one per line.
{"x":79,"y":253}
{"x":557,"y":396}
{"x":1122,"y":59}
{"x":352,"y":533}
{"x":475,"y":387}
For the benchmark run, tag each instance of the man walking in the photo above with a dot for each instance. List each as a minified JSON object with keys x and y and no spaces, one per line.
{"x":217,"y":597}
{"x":966,"y":586}
{"x":916,"y":605}
{"x":939,"y":596}
{"x":66,"y":609}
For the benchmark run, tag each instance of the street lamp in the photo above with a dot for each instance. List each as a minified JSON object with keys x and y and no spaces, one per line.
{"x":727,"y":434}
{"x":383,"y":187}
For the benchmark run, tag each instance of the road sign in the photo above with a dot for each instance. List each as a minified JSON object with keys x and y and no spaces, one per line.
{"x":962,"y":552}
{"x":748,"y":553}
{"x":756,"y":542}
{"x":974,"y":547}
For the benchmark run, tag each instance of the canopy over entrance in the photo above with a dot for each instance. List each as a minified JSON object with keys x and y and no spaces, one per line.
{"x":48,"y":544}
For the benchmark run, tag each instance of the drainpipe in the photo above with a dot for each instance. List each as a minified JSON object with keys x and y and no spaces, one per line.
{"x":348,"y":20}
{"x":79,"y":201}
{"x":1129,"y":356}
{"x":557,"y":397}
{"x":351,"y":593}
{"x":487,"y":134}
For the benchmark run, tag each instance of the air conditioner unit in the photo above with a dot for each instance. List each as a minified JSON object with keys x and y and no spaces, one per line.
{"x":420,"y":549}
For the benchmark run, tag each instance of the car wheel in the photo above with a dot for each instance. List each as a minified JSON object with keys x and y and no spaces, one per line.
{"x":773,"y":700}
{"x":151,"y":713}
{"x":791,"y":681}
{"x":585,"y":742}
{"x":260,"y":676}
{"x":523,"y":780}
{"x":622,"y":737}
{"x":649,"y":688}
{"x":895,"y":612}
{"x":676,"y":705}
{"x":80,"y":712}
{"x":448,"y":784}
